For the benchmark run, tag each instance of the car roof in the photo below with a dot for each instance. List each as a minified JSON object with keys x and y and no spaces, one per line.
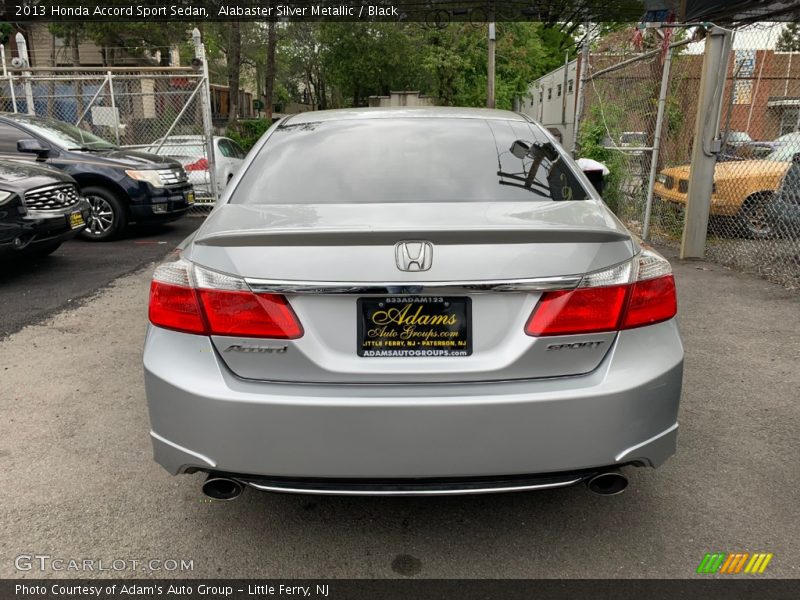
{"x":449,"y":112}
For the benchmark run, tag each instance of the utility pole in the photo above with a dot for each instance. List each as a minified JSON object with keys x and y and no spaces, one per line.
{"x":583,"y":65}
{"x":490,"y":103}
{"x":706,"y":143}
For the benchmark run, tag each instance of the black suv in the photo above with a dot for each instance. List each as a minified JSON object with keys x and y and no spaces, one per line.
{"x":122,"y":186}
{"x":39,"y":209}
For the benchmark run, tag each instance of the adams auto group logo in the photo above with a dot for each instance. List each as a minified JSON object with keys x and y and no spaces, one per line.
{"x":735,"y":563}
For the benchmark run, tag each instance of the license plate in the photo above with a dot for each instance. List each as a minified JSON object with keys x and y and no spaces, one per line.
{"x":76,"y":220}
{"x":414,"y":326}
{"x":189,"y":197}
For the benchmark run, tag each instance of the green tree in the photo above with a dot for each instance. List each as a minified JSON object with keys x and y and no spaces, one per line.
{"x":134,"y":37}
{"x":364,"y":59}
{"x":789,"y":40}
{"x":6,"y":31}
{"x":455,"y":60}
{"x":304,"y":75}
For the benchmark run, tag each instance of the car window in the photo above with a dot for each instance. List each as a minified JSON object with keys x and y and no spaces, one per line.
{"x":226,"y":149}
{"x":178,"y":150}
{"x":9,"y":136}
{"x":237,"y":149}
{"x":406,"y":160}
{"x":63,"y":134}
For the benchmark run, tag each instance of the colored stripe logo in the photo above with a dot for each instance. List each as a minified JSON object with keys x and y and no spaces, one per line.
{"x":734,"y":563}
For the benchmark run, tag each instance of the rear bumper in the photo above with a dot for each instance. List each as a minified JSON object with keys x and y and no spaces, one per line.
{"x":446,"y":486}
{"x":205,"y":418}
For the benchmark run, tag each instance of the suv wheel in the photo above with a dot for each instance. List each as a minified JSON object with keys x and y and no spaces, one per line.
{"x":107,"y":218}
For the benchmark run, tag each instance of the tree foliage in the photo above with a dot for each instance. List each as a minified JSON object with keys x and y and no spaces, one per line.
{"x":6,"y":31}
{"x":789,"y":40}
{"x":333,"y":64}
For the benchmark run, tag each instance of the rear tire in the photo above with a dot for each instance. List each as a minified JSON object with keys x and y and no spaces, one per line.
{"x":753,"y":217}
{"x":108,"y":218}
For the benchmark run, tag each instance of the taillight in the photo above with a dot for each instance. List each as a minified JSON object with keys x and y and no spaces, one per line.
{"x":639,"y":292}
{"x":651,"y":302}
{"x":188,"y":298}
{"x":198,"y":165}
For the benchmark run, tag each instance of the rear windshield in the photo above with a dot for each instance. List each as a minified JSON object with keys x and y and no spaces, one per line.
{"x":406,"y":160}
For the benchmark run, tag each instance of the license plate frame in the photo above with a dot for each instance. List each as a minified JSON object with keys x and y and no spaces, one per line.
{"x":376,"y":321}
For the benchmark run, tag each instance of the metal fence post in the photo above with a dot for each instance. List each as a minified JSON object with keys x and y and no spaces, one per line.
{"x":13,"y":93}
{"x":205,"y":103}
{"x":662,"y":102}
{"x":706,"y":144}
{"x":113,"y":107}
{"x":22,"y":48}
{"x":91,"y":102}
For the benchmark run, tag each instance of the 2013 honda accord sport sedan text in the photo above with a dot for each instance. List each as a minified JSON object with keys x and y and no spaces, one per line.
{"x":411,"y":301}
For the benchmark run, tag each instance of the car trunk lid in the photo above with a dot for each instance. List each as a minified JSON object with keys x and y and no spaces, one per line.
{"x":324,"y":258}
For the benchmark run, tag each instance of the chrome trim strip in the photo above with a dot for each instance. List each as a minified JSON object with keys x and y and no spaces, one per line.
{"x":627,"y":451}
{"x":449,"y":491}
{"x":538,"y":284}
{"x":164,"y":440}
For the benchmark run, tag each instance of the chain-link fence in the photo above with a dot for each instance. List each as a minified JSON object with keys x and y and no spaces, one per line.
{"x":158,"y":110}
{"x":754,"y":222}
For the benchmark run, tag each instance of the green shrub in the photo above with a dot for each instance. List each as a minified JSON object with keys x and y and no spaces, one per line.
{"x":591,"y":146}
{"x":247,"y":133}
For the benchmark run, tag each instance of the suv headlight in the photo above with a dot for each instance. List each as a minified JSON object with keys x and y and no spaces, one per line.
{"x":150,"y":176}
{"x":4,"y":196}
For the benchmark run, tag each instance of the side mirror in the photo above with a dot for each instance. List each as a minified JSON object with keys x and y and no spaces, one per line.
{"x":33,"y":146}
{"x":520,"y":149}
{"x":535,"y":150}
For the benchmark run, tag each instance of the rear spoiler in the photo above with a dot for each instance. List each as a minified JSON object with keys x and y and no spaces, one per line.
{"x":349,"y":237}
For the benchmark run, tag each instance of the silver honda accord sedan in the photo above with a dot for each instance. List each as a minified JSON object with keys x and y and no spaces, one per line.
{"x":410,"y":302}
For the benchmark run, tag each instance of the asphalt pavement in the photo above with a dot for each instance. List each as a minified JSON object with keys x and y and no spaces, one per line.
{"x":79,"y":483}
{"x":31,"y":289}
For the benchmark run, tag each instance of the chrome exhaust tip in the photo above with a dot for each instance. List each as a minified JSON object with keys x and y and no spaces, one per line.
{"x":609,"y":483}
{"x":221,"y":488}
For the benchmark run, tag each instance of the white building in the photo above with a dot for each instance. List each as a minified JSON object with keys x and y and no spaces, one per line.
{"x":551,"y":100}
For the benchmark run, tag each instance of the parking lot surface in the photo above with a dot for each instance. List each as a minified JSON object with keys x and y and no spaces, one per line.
{"x":80,"y":483}
{"x":33,"y":289}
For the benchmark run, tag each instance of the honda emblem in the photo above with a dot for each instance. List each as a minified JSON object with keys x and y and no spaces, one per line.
{"x":413,"y":256}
